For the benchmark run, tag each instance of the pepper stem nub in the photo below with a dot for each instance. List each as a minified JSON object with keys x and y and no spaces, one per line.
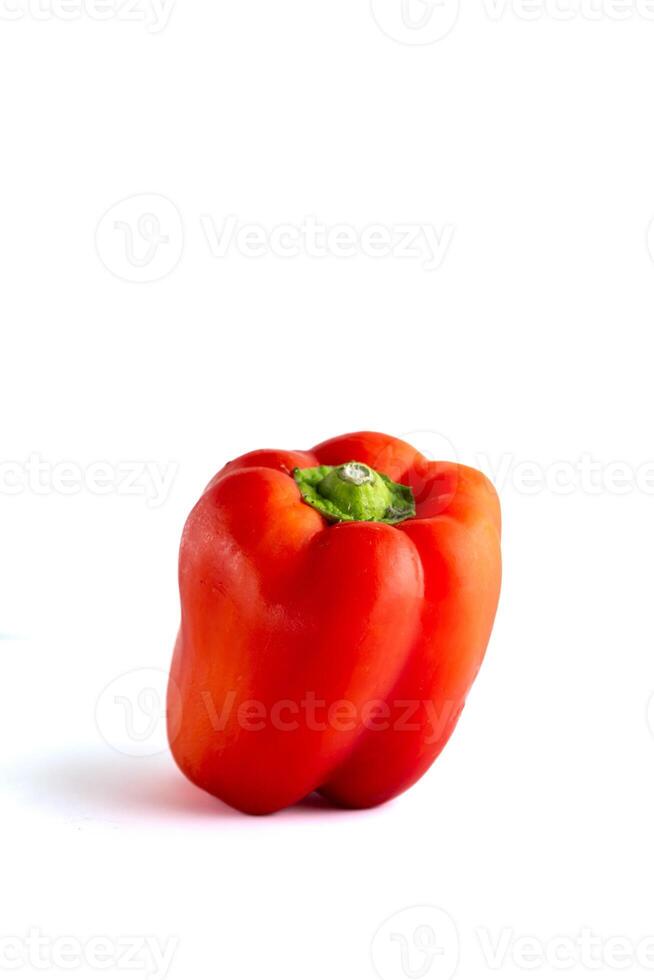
{"x":355,"y":492}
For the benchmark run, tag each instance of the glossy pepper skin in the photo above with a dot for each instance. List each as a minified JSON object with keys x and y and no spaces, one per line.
{"x":328,"y":656}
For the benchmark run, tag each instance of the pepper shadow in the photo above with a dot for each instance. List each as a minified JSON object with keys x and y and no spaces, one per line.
{"x":107,"y":786}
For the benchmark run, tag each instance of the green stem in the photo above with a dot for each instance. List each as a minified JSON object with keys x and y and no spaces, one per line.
{"x":355,"y":492}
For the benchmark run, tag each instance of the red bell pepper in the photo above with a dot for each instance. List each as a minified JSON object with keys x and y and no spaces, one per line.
{"x":336,"y":607}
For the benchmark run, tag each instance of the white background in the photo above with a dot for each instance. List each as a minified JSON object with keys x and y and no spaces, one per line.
{"x":522,"y":135}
